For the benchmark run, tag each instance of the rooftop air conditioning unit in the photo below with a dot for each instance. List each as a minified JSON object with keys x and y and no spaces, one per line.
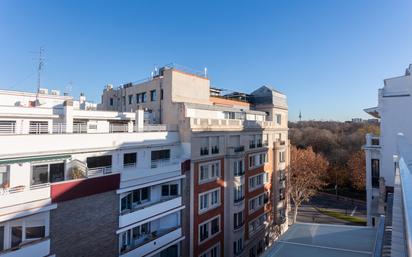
{"x":44,"y":91}
{"x":54,"y":92}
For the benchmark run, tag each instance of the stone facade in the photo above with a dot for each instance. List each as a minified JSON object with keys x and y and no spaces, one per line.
{"x":86,"y":226}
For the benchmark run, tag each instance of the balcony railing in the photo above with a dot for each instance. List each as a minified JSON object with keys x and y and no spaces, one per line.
{"x":204,"y":151}
{"x":99,"y":171}
{"x":79,"y":128}
{"x":148,"y":238}
{"x":163,"y":163}
{"x":38,"y":129}
{"x":238,"y":149}
{"x":119,"y":128}
{"x":215,"y":149}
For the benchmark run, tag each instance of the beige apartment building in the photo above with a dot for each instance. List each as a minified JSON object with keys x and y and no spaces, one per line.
{"x":236,"y":149}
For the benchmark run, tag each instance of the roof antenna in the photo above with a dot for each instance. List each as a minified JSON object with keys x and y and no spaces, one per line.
{"x":39,"y":68}
{"x":205,"y":72}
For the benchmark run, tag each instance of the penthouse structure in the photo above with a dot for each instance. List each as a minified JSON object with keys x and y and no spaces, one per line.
{"x":237,"y":150}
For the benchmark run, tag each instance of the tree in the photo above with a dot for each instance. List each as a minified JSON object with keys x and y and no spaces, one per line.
{"x":306,"y":171}
{"x":357,"y":166}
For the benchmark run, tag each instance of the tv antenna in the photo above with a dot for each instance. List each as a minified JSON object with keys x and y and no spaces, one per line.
{"x":39,"y":69}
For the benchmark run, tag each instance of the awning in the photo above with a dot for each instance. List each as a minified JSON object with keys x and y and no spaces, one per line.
{"x":34,"y":159}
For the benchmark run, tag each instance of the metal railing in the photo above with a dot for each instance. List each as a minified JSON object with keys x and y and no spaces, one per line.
{"x":162,"y":163}
{"x":8,"y":128}
{"x":80,"y":128}
{"x":118,"y":128}
{"x":59,"y":128}
{"x":39,"y":129}
{"x":99,"y":171}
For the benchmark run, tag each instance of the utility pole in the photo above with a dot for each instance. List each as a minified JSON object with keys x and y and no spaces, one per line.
{"x":39,"y":68}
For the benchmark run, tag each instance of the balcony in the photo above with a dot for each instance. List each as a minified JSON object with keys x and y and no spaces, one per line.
{"x":38,"y":248}
{"x":163,"y":163}
{"x":149,"y":210}
{"x":235,"y":150}
{"x":155,"y":240}
{"x":204,"y":151}
{"x":79,"y":128}
{"x":228,"y":124}
{"x":23,"y":194}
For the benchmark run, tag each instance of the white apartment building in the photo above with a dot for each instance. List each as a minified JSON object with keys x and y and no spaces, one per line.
{"x":394,"y":103}
{"x":78,"y":182}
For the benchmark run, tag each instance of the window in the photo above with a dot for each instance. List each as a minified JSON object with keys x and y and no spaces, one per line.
{"x":209,"y":200}
{"x":251,"y":161}
{"x":239,"y":193}
{"x":256,"y":203}
{"x":238,"y":168}
{"x":375,"y":173}
{"x":4,"y":177}
{"x":16,"y":236}
{"x":160,"y":155}
{"x":129,"y":159}
{"x":209,"y":172}
{"x":279,"y":119}
{"x":238,"y":246}
{"x":252,"y":142}
{"x":124,"y":100}
{"x":137,"y":98}
{"x":161,"y":94}
{"x":238,"y":220}
{"x":257,"y":160}
{"x":130,"y":99}
{"x":111,"y":101}
{"x":35,"y":232}
{"x":153,"y":95}
{"x":213,"y":251}
{"x":144,"y":97}
{"x":257,"y":223}
{"x":135,"y":198}
{"x":170,"y":190}
{"x":99,"y":161}
{"x":45,"y":173}
{"x":282,"y":156}
{"x":209,"y":228}
{"x":214,"y":142}
{"x":256,"y":181}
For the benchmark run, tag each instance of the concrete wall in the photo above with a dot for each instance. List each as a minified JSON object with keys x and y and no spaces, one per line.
{"x":85,"y":226}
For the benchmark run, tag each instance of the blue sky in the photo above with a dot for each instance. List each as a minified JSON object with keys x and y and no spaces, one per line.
{"x":329,"y":57}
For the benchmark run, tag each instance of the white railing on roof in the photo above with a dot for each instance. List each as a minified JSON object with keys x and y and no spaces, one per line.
{"x":119,"y":128}
{"x":38,"y":128}
{"x":8,"y":128}
{"x":59,"y":128}
{"x":80,"y":128}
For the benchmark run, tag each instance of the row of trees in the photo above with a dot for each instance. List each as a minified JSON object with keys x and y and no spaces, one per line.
{"x":341,"y":144}
{"x":326,"y":153}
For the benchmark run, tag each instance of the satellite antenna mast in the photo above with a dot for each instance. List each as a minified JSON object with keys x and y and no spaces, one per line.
{"x":39,"y":68}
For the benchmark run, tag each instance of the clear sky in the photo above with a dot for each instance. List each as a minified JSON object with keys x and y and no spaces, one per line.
{"x":328,"y":56}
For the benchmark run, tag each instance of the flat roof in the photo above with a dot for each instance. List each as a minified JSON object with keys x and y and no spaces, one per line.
{"x":324,"y":240}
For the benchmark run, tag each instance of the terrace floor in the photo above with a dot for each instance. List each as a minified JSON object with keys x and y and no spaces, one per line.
{"x":324,"y":240}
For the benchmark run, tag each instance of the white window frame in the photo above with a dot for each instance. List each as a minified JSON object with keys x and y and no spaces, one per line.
{"x":257,"y":159}
{"x":237,"y":244}
{"x":279,"y":118}
{"x":254,"y":179}
{"x":237,"y":168}
{"x":209,"y":231}
{"x":257,"y":206}
{"x":209,"y":197}
{"x":257,"y":223}
{"x":210,"y":176}
{"x":282,"y":158}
